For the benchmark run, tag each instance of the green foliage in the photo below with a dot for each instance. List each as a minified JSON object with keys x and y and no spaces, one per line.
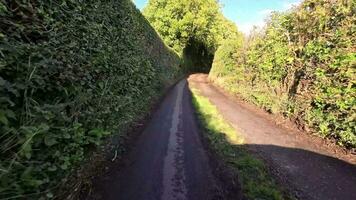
{"x":302,"y":66}
{"x":71,"y":73}
{"x":223,"y":139}
{"x":193,"y":28}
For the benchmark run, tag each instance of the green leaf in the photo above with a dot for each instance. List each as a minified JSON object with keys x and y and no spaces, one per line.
{"x":2,"y":81}
{"x":49,"y":140}
{"x":44,"y":127}
{"x":10,"y":114}
{"x":52,"y":168}
{"x":49,"y":195}
{"x":3,"y":118}
{"x":98,"y":132}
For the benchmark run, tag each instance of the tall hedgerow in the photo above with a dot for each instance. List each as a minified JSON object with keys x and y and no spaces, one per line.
{"x":71,"y":73}
{"x":302,"y":65}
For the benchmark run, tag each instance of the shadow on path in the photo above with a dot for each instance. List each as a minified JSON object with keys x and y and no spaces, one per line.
{"x":309,"y":175}
{"x":305,"y":163}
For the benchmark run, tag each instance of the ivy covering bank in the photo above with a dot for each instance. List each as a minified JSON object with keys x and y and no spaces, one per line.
{"x":71,"y":73}
{"x":302,"y":65}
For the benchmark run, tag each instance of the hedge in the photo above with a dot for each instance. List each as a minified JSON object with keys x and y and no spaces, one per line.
{"x":302,"y":65}
{"x":71,"y":73}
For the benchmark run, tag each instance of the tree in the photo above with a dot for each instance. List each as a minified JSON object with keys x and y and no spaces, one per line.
{"x":193,"y":28}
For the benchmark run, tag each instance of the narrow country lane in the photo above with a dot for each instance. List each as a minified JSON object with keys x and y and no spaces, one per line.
{"x":111,"y":100}
{"x":168,"y":161}
{"x":313,"y":169}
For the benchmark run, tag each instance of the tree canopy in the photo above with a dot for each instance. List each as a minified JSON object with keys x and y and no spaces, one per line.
{"x":194,"y":26}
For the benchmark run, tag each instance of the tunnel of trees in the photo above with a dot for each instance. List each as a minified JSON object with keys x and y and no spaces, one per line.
{"x":193,"y":28}
{"x":197,"y":56}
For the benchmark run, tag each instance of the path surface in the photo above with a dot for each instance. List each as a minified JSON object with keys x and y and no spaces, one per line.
{"x":168,"y":162}
{"x":305,"y":163}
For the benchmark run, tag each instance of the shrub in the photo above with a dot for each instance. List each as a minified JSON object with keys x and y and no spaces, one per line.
{"x":302,"y":66}
{"x":71,"y":73}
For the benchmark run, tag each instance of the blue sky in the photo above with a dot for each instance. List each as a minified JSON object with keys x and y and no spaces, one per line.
{"x":247,"y":13}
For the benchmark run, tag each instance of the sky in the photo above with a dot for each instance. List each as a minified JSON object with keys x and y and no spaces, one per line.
{"x":247,"y":13}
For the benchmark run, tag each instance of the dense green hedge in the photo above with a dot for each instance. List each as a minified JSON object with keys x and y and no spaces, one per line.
{"x":71,"y":72}
{"x":302,"y":65}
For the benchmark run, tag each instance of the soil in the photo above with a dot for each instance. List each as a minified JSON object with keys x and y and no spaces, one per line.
{"x":311,"y":167}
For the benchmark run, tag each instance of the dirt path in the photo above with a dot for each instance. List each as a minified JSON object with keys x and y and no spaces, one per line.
{"x":311,"y":168}
{"x":168,"y":161}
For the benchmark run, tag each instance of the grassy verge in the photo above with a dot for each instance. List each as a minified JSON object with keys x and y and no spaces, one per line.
{"x":222,"y":138}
